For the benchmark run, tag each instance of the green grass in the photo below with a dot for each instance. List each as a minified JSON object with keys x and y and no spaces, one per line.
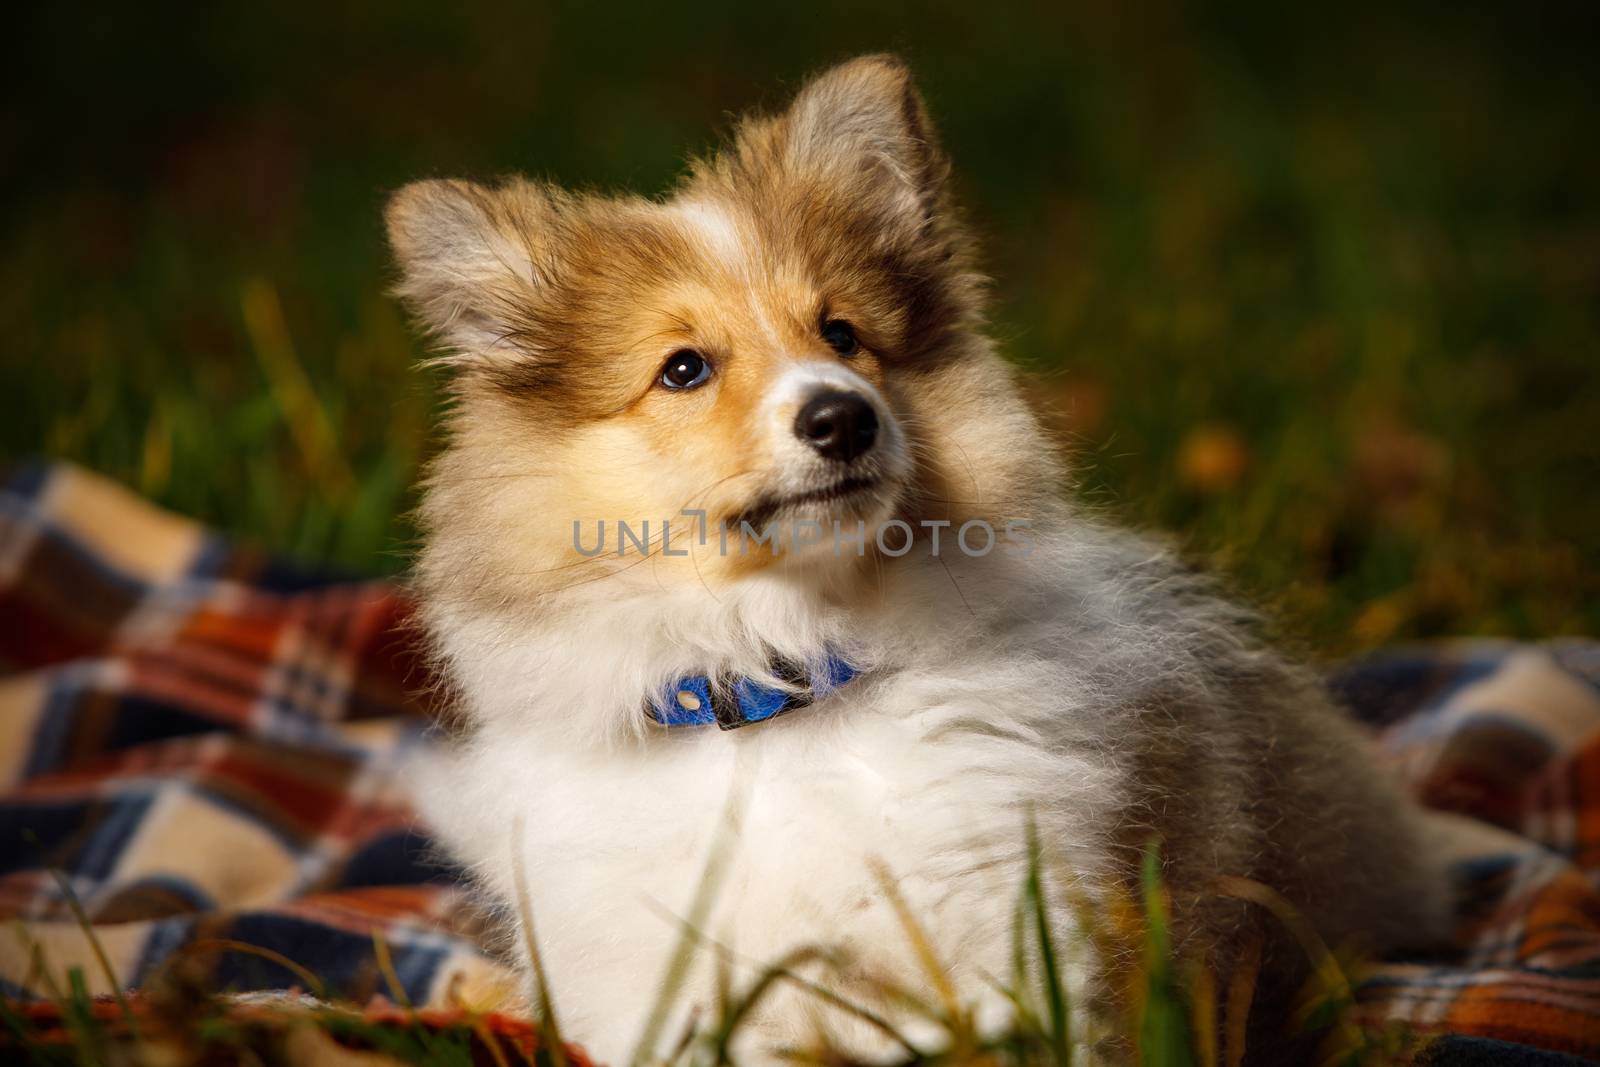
{"x":1163,"y":1011}
{"x":1318,"y":293}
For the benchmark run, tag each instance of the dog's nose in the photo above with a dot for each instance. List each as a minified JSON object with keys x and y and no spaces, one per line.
{"x":838,"y":424}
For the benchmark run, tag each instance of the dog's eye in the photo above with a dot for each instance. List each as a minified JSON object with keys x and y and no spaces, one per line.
{"x":685,"y":369}
{"x":841,"y":337}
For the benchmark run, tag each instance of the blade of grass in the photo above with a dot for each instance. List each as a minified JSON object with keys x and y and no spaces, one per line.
{"x":1202,"y":986}
{"x":686,"y":1038}
{"x":1056,"y":998}
{"x":77,"y":1011}
{"x":84,"y":1030}
{"x":737,"y":1010}
{"x":1241,"y":991}
{"x":678,"y":963}
{"x":82,"y":918}
{"x":487,"y":1038}
{"x":391,"y":978}
{"x":1164,"y":1027}
{"x":1326,"y":971}
{"x":1019,"y":946}
{"x":380,"y":952}
{"x":822,"y":993}
{"x":313,"y":983}
{"x":921,"y":944}
{"x":866,"y":1015}
{"x":304,"y":413}
{"x":551,"y":1044}
{"x":38,"y":971}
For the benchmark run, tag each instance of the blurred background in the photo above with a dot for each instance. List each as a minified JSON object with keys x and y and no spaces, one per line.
{"x":1316,"y":290}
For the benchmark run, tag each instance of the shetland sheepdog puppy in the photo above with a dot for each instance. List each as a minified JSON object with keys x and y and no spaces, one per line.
{"x":763,"y":614}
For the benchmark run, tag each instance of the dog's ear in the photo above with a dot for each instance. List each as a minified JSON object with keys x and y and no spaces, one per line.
{"x":864,"y":123}
{"x":472,"y":260}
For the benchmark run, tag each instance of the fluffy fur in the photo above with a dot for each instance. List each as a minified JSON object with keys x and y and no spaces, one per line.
{"x":1077,"y":673}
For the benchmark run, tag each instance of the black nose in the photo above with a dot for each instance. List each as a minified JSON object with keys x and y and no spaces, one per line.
{"x":838,"y":424}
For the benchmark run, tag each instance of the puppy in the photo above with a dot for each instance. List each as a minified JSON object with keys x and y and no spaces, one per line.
{"x":747,"y":567}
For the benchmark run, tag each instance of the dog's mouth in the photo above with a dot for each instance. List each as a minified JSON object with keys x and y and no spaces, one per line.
{"x":766,"y":509}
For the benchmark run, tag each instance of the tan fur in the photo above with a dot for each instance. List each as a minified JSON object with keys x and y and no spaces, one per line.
{"x":1096,"y":683}
{"x":585,"y":296}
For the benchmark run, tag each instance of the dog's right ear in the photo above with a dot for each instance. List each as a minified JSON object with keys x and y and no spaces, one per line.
{"x":472,"y":261}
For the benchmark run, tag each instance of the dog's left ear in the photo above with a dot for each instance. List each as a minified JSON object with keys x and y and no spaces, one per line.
{"x":864,"y":123}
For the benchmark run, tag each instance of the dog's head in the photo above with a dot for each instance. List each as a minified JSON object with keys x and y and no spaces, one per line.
{"x":788,"y":340}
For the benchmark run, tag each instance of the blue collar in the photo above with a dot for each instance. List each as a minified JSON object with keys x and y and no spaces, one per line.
{"x":737,"y":701}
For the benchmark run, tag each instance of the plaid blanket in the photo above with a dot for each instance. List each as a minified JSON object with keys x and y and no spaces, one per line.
{"x":204,"y":749}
